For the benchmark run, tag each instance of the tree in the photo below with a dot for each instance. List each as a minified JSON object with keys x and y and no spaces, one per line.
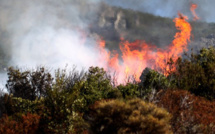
{"x":132,"y":116}
{"x":28,"y":84}
{"x":96,"y":86}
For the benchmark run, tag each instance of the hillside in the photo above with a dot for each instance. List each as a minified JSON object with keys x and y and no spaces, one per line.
{"x":113,"y":23}
{"x":142,"y":90}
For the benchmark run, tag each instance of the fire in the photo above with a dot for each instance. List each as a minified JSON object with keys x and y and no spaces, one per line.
{"x":192,"y":9}
{"x":138,"y":55}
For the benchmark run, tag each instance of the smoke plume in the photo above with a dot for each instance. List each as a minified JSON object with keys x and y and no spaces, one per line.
{"x":47,"y":32}
{"x":50,"y":33}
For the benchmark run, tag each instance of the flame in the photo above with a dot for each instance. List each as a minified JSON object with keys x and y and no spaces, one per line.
{"x":138,"y":55}
{"x":192,"y":9}
{"x":105,"y":55}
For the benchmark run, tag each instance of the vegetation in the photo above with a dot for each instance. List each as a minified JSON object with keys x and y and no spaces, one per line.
{"x":132,"y":116}
{"x":61,"y":103}
{"x":191,"y":114}
{"x":22,"y":124}
{"x":196,"y":73}
{"x":89,"y":102}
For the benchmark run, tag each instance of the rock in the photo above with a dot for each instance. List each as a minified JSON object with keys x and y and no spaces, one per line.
{"x":120,"y":22}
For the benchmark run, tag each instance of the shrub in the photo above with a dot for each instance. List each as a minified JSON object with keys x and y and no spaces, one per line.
{"x":132,"y":116}
{"x":129,"y":90}
{"x":27,"y":124}
{"x":96,"y":86}
{"x":191,"y":114}
{"x":57,"y":112}
{"x":196,"y":73}
{"x":28,"y":84}
{"x":151,"y":82}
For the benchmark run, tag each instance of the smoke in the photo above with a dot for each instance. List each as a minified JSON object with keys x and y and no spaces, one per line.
{"x":50,"y":33}
{"x":55,"y":33}
{"x":46,"y":32}
{"x":169,"y":8}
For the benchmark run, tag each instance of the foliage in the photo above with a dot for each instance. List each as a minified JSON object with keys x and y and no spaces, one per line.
{"x":2,"y":104}
{"x":64,"y":101}
{"x":27,"y":124}
{"x":129,"y":90}
{"x":27,"y":106}
{"x":58,"y":107}
{"x":8,"y":104}
{"x":87,"y":102}
{"x":75,"y":102}
{"x":191,"y":114}
{"x":132,"y":116}
{"x":151,"y":82}
{"x":196,"y":73}
{"x":154,"y":80}
{"x":56,"y":113}
{"x":96,"y":87}
{"x":28,"y":84}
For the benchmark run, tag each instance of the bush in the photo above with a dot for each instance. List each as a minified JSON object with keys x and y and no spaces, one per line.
{"x":132,"y":116}
{"x":196,"y":73}
{"x":28,"y":84}
{"x":129,"y":90}
{"x":58,"y":108}
{"x":96,"y":86}
{"x":152,"y":82}
{"x":27,"y":124}
{"x":191,"y":114}
{"x":151,"y":79}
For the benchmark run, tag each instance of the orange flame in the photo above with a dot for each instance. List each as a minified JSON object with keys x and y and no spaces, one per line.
{"x":192,"y":9}
{"x":138,"y":55}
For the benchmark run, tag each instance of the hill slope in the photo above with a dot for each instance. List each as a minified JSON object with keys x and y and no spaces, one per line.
{"x":114,"y":22}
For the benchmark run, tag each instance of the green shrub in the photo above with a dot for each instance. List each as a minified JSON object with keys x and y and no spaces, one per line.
{"x":196,"y":73}
{"x":129,"y":90}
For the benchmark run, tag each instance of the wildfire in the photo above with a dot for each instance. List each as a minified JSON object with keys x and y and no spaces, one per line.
{"x":138,"y":55}
{"x":192,"y":9}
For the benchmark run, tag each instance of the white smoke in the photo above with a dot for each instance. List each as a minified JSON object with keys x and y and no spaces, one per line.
{"x":50,"y":33}
{"x":46,"y":32}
